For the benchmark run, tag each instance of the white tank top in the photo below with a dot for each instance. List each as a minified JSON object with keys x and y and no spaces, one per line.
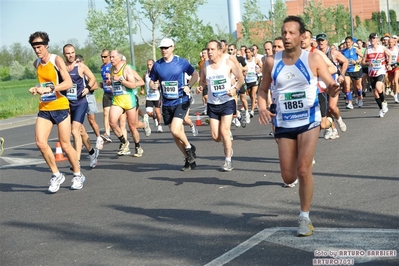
{"x":377,"y":59}
{"x":151,"y":95}
{"x":251,"y":76}
{"x":219,"y":83}
{"x":294,"y":90}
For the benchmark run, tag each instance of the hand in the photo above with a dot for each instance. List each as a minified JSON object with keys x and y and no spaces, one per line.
{"x":33,"y":90}
{"x":341,"y":79}
{"x":156,"y":85}
{"x":265,"y":116}
{"x":199,"y":89}
{"x":85,"y":91}
{"x":186,"y":89}
{"x":333,"y":89}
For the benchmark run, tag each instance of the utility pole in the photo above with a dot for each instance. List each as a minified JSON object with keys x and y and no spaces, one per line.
{"x":130,"y":34}
{"x":350,"y":9}
{"x":389,"y":19}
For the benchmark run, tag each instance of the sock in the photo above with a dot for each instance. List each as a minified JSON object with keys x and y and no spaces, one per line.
{"x":359,"y":92}
{"x":228,"y":159}
{"x":188,"y":147}
{"x":137,"y":145}
{"x":378,"y":100}
{"x":99,"y":137}
{"x":78,"y":173}
{"x":57,"y":174}
{"x":91,"y":152}
{"x":382,"y":97}
{"x":304,"y":214}
{"x":122,"y":139}
{"x":349,"y":96}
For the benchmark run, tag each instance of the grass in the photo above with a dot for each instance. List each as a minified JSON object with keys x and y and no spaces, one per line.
{"x":15,"y":99}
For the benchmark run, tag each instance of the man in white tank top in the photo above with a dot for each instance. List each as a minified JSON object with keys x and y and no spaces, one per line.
{"x":216,"y":74}
{"x":293,"y":74}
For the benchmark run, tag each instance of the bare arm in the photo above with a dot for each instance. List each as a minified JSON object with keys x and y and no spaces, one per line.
{"x":67,"y":81}
{"x":263,"y":94}
{"x":321,"y":69}
{"x":342,"y":60}
{"x":331,"y":67}
{"x":132,"y":78}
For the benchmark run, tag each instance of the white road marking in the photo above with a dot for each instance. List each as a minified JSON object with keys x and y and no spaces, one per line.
{"x":332,"y":239}
{"x":243,"y":247}
{"x":14,"y":162}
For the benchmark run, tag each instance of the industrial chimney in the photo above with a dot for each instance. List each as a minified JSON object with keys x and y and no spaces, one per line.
{"x":234,"y":15}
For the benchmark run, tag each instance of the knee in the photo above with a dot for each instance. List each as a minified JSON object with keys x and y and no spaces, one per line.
{"x":41,"y":144}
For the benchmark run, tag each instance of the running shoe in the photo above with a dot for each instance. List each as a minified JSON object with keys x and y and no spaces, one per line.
{"x":349,"y":106}
{"x":334,"y":134}
{"x":395,"y":97}
{"x":93,"y":158}
{"x":243,"y":121}
{"x":385,"y":107}
{"x":106,"y":138}
{"x":55,"y":183}
{"x":156,"y":122}
{"x":138,"y":152}
{"x":124,"y":149}
{"x":231,"y":136}
{"x":242,"y":108}
{"x":227,"y":166}
{"x":381,"y":113}
{"x":293,"y":184}
{"x":147,"y":128}
{"x":305,"y":227}
{"x":99,"y":143}
{"x":236,"y":122}
{"x":194,"y":130}
{"x":341,"y":124}
{"x":247,"y":117}
{"x":251,"y":113}
{"x":159,"y":129}
{"x":360,"y":103}
{"x":1,"y":146}
{"x":77,"y":181}
{"x":191,"y":154}
{"x":188,"y":166}
{"x":204,"y":112}
{"x":328,"y":133}
{"x":192,"y":100}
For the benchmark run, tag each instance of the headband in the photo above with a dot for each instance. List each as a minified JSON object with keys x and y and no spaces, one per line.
{"x":39,"y":43}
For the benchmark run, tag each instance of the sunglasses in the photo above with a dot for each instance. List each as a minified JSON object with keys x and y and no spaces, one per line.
{"x":104,"y":56}
{"x":164,"y":48}
{"x":231,"y":49}
{"x":77,"y":61}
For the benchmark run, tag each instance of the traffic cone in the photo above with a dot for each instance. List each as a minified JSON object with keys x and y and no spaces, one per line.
{"x":59,"y":155}
{"x":198,"y":121}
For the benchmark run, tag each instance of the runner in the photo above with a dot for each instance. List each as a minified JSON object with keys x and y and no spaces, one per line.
{"x":294,"y":73}
{"x":216,"y":73}
{"x":167,"y":75}
{"x":78,"y":102}
{"x":153,"y":98}
{"x":107,"y":97}
{"x":124,"y":80}
{"x":53,"y":78}
{"x":375,"y":57}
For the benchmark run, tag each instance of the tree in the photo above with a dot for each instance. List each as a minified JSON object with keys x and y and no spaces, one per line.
{"x":164,"y":15}
{"x":393,"y":18}
{"x":253,"y":26}
{"x":16,"y":71}
{"x":276,"y":16}
{"x":109,"y":30}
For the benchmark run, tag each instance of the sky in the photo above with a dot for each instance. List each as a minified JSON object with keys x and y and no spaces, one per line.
{"x":64,"y":20}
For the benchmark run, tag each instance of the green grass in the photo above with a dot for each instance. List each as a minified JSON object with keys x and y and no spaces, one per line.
{"x":15,"y":99}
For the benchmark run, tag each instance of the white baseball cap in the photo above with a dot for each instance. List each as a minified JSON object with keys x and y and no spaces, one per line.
{"x":166,"y":42}
{"x":394,"y":36}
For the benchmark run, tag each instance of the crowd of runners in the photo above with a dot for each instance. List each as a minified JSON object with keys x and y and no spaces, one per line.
{"x":295,"y":86}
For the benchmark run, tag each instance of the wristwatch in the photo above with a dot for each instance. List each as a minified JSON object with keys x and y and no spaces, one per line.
{"x":121,"y":79}
{"x":52,"y":88}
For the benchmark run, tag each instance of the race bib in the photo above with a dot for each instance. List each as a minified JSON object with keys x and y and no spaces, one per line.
{"x":170,"y":89}
{"x":293,"y":106}
{"x":72,"y":93}
{"x":219,"y":87}
{"x":251,"y":77}
{"x":49,"y":96}
{"x":117,"y":88}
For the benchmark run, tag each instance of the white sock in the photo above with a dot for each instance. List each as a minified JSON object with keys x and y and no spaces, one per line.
{"x":304,"y":214}
{"x":189,"y":146}
{"x":57,"y":174}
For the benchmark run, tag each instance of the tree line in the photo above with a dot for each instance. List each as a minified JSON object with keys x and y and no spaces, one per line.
{"x":178,"y":20}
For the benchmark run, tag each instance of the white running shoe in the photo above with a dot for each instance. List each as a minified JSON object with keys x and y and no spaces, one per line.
{"x":159,"y":128}
{"x":236,"y":122}
{"x":100,"y":143}
{"x":381,"y":113}
{"x":293,"y":184}
{"x":328,"y":133}
{"x":93,"y":158}
{"x":360,"y":103}
{"x":124,"y":148}
{"x":349,"y":106}
{"x":395,"y":97}
{"x":55,"y":183}
{"x":251,"y":114}
{"x":334,"y":134}
{"x":247,"y":117}
{"x":138,"y":152}
{"x":305,"y":227}
{"x":227,"y":166}
{"x":194,"y":130}
{"x":156,"y":122}
{"x":341,"y":124}
{"x":77,"y":181}
{"x":385,"y":107}
{"x":147,"y":128}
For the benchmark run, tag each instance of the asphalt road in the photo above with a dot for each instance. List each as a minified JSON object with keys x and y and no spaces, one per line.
{"x":144,"y":211}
